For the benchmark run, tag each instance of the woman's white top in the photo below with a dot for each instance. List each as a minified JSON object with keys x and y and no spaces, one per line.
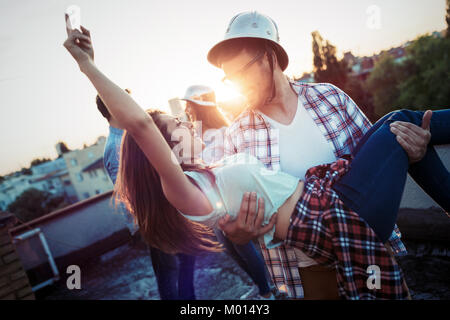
{"x":236,"y":175}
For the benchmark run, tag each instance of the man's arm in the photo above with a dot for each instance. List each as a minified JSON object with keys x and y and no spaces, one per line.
{"x":248,"y":224}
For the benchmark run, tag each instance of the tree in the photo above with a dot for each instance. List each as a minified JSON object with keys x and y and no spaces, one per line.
{"x":26,"y":171}
{"x":327,"y":68}
{"x":383,"y":85}
{"x":426,"y":75}
{"x":357,"y":90}
{"x":62,"y":147}
{"x":33,"y":203}
{"x":37,"y":161}
{"x":420,"y":82}
{"x":447,"y":19}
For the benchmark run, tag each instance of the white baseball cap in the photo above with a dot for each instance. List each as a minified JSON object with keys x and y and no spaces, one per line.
{"x":201,"y":95}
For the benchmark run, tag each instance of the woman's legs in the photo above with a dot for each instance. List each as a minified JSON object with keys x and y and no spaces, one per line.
{"x":186,"y":277}
{"x":255,"y":265}
{"x":166,"y":269}
{"x":248,"y":259}
{"x":429,"y":173}
{"x":229,"y":246}
{"x":374,"y":185}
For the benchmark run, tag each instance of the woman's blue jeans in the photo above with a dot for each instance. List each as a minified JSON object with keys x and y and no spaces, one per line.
{"x":174,"y":275}
{"x":373,"y":186}
{"x":249,"y":259}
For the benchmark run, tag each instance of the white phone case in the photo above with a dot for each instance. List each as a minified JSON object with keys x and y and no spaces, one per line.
{"x":74,"y":20}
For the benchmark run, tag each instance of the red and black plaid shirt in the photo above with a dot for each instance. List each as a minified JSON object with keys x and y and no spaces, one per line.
{"x":341,"y":122}
{"x":334,"y":235}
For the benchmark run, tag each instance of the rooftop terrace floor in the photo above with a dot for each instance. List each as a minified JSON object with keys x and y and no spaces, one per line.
{"x":125,"y":273}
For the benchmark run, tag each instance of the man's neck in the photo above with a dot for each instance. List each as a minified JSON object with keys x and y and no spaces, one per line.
{"x":283,"y":106}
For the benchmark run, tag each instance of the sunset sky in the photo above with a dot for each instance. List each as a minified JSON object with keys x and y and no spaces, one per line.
{"x":157,"y":49}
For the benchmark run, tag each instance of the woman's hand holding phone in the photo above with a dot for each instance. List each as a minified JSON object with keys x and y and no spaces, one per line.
{"x":79,"y":44}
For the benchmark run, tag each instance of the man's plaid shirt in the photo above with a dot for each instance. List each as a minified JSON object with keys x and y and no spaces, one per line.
{"x":341,"y":122}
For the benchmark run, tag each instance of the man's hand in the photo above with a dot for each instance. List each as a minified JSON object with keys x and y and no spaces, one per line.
{"x":412,"y":138}
{"x":248,"y":224}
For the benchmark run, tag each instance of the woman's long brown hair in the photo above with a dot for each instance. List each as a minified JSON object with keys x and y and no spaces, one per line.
{"x":211,"y":117}
{"x":138,"y":186}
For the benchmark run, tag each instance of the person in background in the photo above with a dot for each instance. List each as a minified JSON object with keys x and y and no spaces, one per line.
{"x":174,"y":273}
{"x":202,"y":110}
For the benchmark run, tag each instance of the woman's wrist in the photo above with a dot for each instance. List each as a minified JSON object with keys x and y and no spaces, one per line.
{"x":86,"y":65}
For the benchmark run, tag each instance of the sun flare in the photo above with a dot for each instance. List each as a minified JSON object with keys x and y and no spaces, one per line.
{"x":225,"y":92}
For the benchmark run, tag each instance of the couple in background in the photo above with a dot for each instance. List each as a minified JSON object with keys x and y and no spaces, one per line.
{"x":257,"y":67}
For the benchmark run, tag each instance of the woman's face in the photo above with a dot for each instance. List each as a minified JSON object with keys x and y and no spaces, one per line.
{"x":189,"y":144}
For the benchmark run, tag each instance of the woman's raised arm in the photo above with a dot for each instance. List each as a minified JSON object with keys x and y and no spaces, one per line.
{"x":138,"y":123}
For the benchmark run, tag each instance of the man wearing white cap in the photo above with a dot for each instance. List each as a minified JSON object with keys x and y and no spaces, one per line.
{"x":289,"y":126}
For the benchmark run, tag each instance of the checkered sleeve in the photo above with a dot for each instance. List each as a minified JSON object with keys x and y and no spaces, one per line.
{"x":356,"y":121}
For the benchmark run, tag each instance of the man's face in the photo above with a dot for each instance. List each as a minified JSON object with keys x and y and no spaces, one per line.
{"x":250,"y":72}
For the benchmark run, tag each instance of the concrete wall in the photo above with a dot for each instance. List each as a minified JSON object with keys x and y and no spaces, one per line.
{"x":14,"y":283}
{"x":82,"y":225}
{"x":413,"y":196}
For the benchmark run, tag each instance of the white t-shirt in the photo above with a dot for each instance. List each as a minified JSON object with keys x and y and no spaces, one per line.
{"x":302,"y":146}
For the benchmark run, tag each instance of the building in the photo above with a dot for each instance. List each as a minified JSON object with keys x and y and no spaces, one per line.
{"x":98,"y":178}
{"x":13,"y":186}
{"x":51,"y":176}
{"x":57,"y":183}
{"x":48,"y":167}
{"x":361,"y":67}
{"x":86,"y":171}
{"x":75,"y":175}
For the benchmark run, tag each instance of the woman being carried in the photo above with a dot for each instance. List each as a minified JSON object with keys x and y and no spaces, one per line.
{"x":325,"y":215}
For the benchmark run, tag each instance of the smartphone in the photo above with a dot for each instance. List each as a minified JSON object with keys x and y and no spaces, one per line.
{"x":73,"y":20}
